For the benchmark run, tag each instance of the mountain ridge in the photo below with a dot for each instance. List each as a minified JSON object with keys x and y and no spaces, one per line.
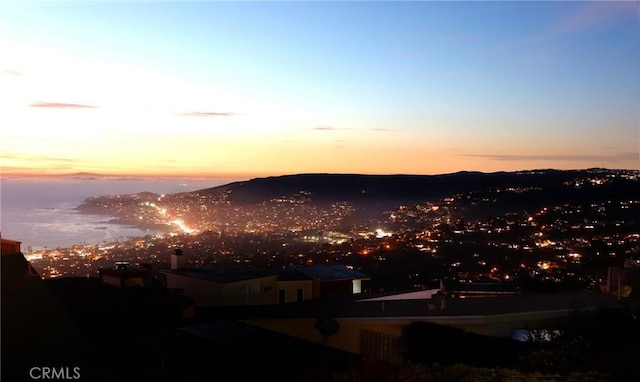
{"x":365,"y":188}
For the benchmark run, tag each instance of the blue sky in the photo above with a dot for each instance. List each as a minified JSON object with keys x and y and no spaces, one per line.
{"x":375,"y":87}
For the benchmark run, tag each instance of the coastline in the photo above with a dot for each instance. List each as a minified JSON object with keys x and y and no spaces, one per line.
{"x":164,"y":228}
{"x":86,"y":209}
{"x":53,"y":213}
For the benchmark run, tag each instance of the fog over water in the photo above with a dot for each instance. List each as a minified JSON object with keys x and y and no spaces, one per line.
{"x":41,"y":212}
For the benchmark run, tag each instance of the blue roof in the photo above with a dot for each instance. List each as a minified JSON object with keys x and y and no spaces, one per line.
{"x":292,"y":274}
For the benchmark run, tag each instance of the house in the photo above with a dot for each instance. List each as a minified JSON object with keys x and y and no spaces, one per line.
{"x":37,"y":329}
{"x":318,"y":282}
{"x":221,"y":285}
{"x":478,"y":289}
{"x":372,"y":327}
{"x":226,"y":286}
{"x":294,"y":286}
{"x":124,"y":275}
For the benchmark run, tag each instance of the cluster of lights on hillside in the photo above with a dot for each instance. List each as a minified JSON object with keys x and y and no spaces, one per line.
{"x":182,"y":226}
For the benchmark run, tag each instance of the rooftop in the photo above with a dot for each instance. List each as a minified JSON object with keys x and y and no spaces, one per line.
{"x":233,"y":274}
{"x":37,"y":329}
{"x":267,"y":344}
{"x":321,"y":272}
{"x":483,"y":287}
{"x":221,"y":274}
{"x":413,"y":308}
{"x":123,"y":269}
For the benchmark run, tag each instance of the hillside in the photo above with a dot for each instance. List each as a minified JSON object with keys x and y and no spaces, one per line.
{"x":376,"y":189}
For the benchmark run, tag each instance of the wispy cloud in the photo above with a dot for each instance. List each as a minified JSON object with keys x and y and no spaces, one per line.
{"x":585,"y":16}
{"x":36,"y":158}
{"x":61,"y":105}
{"x":38,"y":165}
{"x":330,"y":128}
{"x":37,"y":168}
{"x":582,"y":16}
{"x":206,"y":114}
{"x":557,"y":157}
{"x":12,"y":72}
{"x":595,"y":14}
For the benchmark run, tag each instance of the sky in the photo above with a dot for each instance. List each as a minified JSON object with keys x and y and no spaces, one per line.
{"x":246,"y":89}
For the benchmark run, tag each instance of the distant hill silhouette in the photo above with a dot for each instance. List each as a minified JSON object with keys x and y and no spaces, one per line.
{"x":383,"y":189}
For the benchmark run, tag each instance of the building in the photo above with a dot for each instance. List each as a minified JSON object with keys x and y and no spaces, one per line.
{"x":624,"y":279}
{"x":478,"y":289}
{"x":366,"y":327}
{"x":226,"y":286}
{"x":221,"y":285}
{"x":318,"y":282}
{"x":37,"y":329}
{"x":294,"y":286}
{"x":125,"y":275}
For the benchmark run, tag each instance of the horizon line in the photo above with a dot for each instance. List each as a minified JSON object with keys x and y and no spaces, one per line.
{"x":85,"y":174}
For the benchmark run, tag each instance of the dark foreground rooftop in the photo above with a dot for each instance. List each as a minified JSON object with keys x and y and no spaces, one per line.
{"x":235,"y":351}
{"x":268,"y":344}
{"x":38,"y":330}
{"x":351,"y":308}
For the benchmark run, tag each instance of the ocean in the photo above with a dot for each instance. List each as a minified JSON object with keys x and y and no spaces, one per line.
{"x":41,"y":213}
